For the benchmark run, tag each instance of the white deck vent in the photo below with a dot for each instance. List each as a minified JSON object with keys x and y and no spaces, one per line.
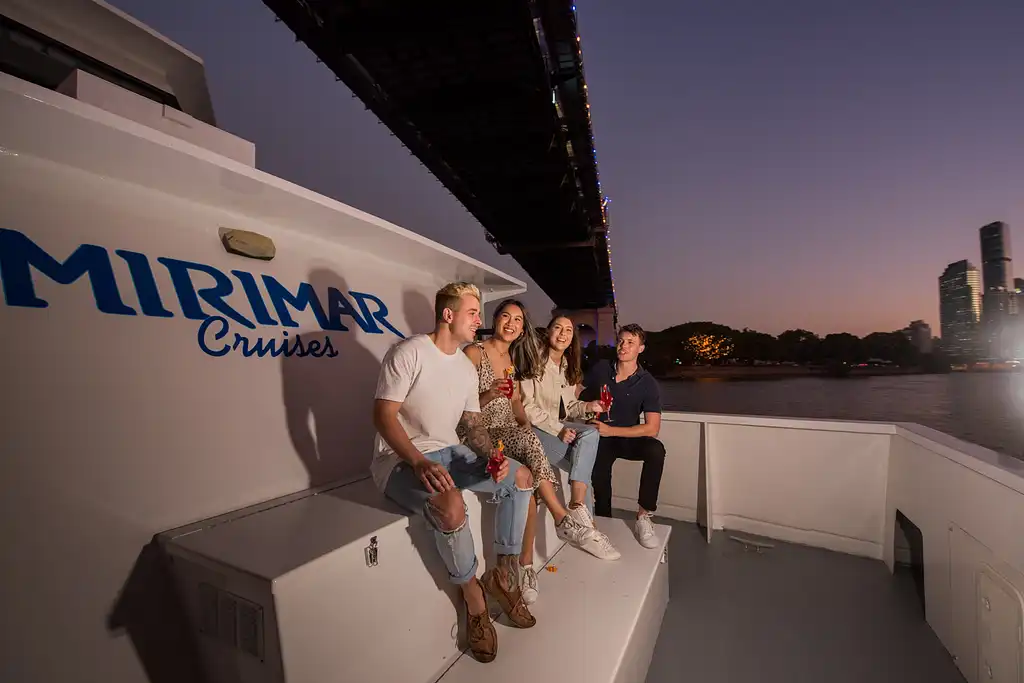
{"x":230,"y":619}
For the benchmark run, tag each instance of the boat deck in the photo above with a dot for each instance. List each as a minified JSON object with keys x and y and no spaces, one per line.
{"x":790,"y":613}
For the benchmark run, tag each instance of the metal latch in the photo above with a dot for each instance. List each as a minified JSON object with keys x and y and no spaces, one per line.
{"x":371,"y":552}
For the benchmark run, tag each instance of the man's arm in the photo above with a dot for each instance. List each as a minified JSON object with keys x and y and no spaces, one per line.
{"x":477,"y":438}
{"x":650,"y":406}
{"x":651,"y":427}
{"x":385,"y":419}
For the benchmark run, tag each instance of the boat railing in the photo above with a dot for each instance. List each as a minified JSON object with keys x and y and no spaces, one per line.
{"x":895,"y":492}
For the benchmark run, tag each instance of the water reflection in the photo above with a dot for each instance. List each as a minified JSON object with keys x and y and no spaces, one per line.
{"x":986,"y":409}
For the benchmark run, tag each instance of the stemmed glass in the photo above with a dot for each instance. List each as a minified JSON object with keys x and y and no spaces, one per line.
{"x":606,"y":403}
{"x":493,"y":465}
{"x":509,"y":387}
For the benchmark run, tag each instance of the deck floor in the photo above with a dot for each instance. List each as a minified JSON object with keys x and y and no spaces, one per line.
{"x":790,"y":613}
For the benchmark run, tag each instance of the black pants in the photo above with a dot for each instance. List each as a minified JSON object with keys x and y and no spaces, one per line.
{"x":645,"y":449}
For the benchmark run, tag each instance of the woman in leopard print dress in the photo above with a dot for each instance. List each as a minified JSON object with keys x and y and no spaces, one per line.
{"x":499,"y":414}
{"x":514,"y":345}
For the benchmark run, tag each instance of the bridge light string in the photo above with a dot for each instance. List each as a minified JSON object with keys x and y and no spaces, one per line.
{"x":597,"y":173}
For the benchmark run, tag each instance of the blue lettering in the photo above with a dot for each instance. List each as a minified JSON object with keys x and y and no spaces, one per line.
{"x":259,"y":348}
{"x":201,"y":337}
{"x":338,"y":306}
{"x":18,"y":254}
{"x":328,"y":348}
{"x":188,"y":295}
{"x":218,"y":328}
{"x":298,"y":350}
{"x":252,"y":292}
{"x":145,"y":284}
{"x":380,"y":315}
{"x":304,"y":298}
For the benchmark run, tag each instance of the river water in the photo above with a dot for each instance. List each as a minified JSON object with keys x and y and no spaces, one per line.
{"x":985,"y":409}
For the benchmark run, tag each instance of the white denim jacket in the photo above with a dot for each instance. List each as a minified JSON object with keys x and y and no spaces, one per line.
{"x":542,"y":397}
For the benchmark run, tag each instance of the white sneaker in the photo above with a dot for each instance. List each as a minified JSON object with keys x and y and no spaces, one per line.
{"x":586,"y":538}
{"x":601,"y":546}
{"x":528,"y":584}
{"x":582,"y":515}
{"x":644,"y":530}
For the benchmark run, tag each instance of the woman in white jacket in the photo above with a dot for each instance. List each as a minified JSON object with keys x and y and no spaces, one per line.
{"x":568,"y":443}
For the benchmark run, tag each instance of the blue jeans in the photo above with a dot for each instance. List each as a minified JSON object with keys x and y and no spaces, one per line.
{"x":576,"y":458}
{"x":468,"y":471}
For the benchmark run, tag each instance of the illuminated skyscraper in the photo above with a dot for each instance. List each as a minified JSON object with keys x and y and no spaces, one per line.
{"x":997,"y":272}
{"x":960,"y":308}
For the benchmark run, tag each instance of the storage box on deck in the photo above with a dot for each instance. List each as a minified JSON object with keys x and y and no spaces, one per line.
{"x":321,"y":585}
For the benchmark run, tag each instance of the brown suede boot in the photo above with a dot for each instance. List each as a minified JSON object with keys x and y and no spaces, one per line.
{"x":502,"y":585}
{"x":483,"y":639}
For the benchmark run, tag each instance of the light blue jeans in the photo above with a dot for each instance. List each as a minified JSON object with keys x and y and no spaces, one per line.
{"x":576,"y":458}
{"x":468,"y":471}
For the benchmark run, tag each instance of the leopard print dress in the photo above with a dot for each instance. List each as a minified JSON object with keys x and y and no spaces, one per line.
{"x":521,"y":444}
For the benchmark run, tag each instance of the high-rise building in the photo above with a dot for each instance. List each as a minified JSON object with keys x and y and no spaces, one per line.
{"x":919,"y":333}
{"x":960,"y":308}
{"x":999,"y":301}
{"x":995,"y":257}
{"x":999,"y":298}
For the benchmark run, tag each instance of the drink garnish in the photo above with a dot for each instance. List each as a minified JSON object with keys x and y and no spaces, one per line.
{"x":494,"y":462}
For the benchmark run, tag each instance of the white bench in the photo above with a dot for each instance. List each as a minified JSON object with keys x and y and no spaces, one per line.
{"x":596,"y":621}
{"x":342,"y":585}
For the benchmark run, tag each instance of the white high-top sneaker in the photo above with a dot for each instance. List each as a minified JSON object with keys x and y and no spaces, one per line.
{"x":528,"y":584}
{"x":586,"y":538}
{"x":644,"y":530}
{"x":606,"y":551}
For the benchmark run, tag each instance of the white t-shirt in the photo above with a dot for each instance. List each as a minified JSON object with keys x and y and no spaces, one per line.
{"x":434,"y":389}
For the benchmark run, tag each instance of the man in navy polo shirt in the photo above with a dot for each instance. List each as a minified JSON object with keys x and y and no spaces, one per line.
{"x":634,"y":392}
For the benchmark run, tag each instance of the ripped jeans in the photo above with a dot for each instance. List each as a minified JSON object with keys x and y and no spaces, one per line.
{"x":577,"y":458}
{"x":468,"y":471}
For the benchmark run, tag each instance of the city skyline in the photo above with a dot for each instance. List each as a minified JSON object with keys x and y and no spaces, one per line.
{"x":979,"y":307}
{"x":766,"y":170}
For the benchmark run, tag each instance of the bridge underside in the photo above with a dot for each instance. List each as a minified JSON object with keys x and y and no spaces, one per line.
{"x":490,"y":97}
{"x":593,"y":324}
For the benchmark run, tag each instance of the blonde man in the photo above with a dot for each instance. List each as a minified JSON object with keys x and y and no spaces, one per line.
{"x":426,"y":391}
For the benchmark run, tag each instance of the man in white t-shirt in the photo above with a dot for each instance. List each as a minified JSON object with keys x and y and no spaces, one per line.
{"x":427,"y":388}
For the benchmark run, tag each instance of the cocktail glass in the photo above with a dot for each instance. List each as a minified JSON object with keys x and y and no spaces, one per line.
{"x":606,"y":403}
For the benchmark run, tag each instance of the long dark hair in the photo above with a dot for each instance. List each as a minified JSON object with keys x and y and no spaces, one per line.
{"x":525,"y":350}
{"x":572,"y":358}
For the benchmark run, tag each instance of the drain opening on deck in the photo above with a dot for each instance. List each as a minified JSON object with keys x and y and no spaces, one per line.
{"x":752,"y":543}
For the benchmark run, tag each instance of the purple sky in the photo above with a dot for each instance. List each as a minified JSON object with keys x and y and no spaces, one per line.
{"x":771,"y":163}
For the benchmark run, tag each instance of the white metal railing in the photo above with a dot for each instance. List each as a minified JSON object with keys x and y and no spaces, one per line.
{"x":837,"y":485}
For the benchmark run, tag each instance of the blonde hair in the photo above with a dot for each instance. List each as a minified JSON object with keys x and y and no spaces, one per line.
{"x":450,"y":296}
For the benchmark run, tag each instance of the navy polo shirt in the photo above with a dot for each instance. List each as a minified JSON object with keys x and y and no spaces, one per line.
{"x":633,"y":396}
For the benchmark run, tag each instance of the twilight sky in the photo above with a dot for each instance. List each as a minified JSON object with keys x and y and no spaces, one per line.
{"x":771,"y":163}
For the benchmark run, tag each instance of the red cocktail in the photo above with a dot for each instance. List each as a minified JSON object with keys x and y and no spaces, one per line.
{"x":606,"y":402}
{"x":509,"y":388}
{"x":494,"y":462}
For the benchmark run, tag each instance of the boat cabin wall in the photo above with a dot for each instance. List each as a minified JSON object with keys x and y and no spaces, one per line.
{"x":151,"y":379}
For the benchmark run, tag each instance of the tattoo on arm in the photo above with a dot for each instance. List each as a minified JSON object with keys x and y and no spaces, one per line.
{"x":477,"y":437}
